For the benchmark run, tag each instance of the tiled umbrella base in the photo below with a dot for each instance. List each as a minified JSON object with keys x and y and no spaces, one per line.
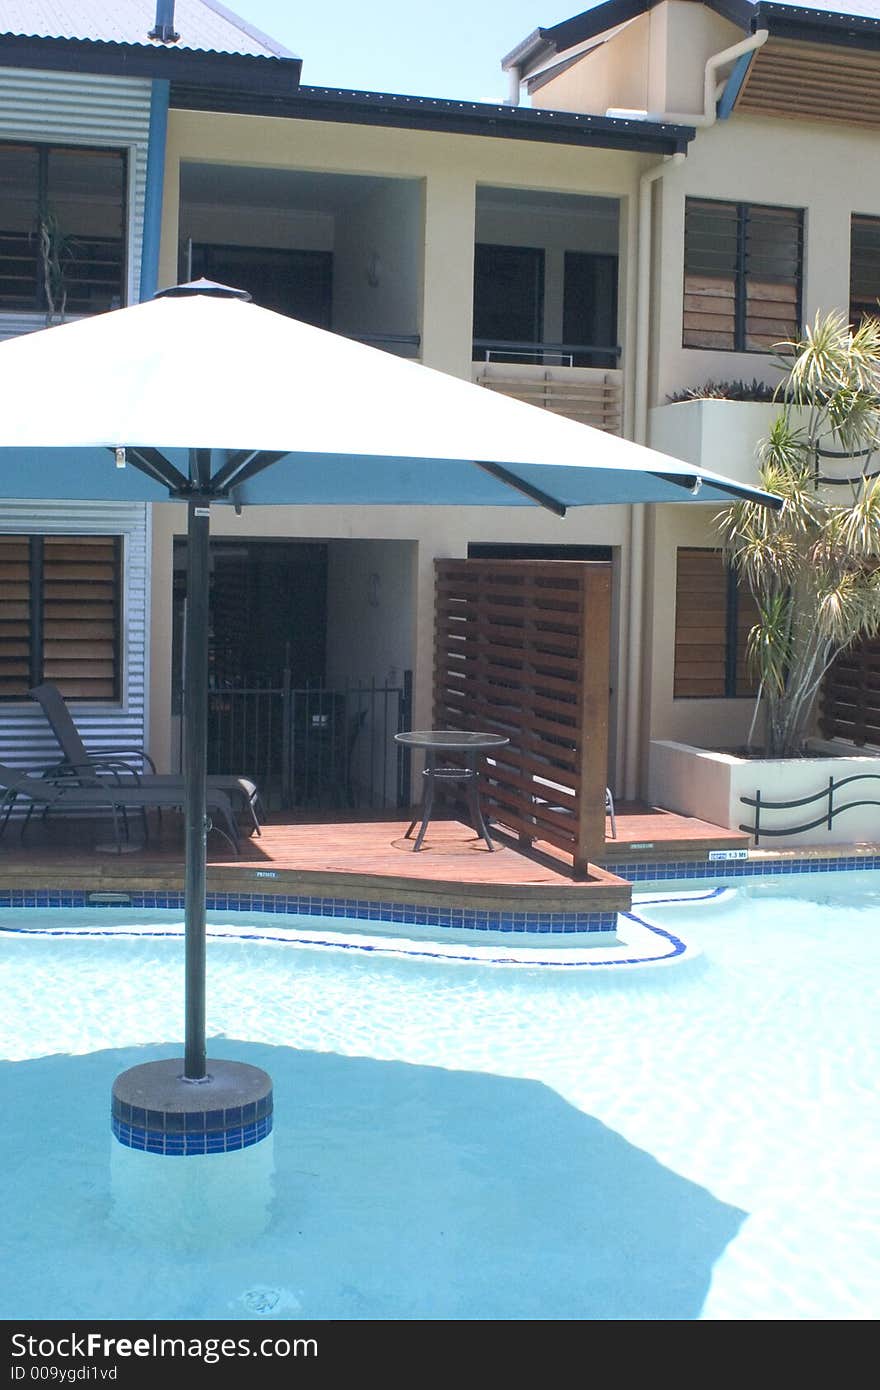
{"x":156,"y":1109}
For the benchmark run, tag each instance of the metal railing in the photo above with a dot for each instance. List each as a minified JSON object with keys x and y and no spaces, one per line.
{"x":314,"y":746}
{"x":826,"y":819}
{"x":401,"y":344}
{"x":546,"y":354}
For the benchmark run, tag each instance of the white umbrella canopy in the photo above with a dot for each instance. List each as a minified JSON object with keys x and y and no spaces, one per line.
{"x":202,"y":369}
{"x":207,"y":398}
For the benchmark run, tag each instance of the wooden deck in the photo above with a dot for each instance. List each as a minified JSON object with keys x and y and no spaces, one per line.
{"x":363,"y":857}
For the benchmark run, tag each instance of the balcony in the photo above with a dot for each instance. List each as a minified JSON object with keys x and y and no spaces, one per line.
{"x":591,"y":395}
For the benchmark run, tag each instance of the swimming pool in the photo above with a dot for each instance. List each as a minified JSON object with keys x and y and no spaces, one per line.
{"x":459,"y":1140}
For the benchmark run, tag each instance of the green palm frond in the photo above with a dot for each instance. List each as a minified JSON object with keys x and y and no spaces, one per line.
{"x":813,"y":566}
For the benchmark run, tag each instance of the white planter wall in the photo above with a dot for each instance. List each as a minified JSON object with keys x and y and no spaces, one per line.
{"x":720,"y":435}
{"x":708,"y":785}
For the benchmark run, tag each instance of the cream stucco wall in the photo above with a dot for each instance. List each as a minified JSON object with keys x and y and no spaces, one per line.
{"x":428,"y":533}
{"x":715,"y":723}
{"x":654,"y":62}
{"x":449,"y":171}
{"x":613,"y":74}
{"x":828,"y":170}
{"x":745,"y":158}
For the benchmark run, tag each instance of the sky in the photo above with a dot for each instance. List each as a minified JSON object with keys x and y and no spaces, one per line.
{"x":452,"y":48}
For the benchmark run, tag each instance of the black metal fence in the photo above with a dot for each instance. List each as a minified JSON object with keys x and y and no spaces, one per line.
{"x":316,"y":746}
{"x":761,"y":806}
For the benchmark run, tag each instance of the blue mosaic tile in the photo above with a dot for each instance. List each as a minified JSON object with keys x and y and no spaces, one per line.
{"x":192,"y":1141}
{"x":457,"y":918}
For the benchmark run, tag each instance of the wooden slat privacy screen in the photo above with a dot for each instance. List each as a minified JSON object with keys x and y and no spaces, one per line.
{"x":60,"y":615}
{"x":522,"y":649}
{"x":850,"y":700}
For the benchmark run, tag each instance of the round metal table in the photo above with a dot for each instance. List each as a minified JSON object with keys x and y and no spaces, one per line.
{"x":436,"y":742}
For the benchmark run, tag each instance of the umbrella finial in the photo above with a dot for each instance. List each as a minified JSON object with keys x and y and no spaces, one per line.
{"x":203,"y":286}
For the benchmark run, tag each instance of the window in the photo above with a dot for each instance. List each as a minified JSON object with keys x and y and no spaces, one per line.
{"x":508,"y":298}
{"x":742,"y":275}
{"x":589,"y":313}
{"x":713,"y":616}
{"x":60,"y":615}
{"x":62,"y":229}
{"x":297,"y":283}
{"x":864,"y":268}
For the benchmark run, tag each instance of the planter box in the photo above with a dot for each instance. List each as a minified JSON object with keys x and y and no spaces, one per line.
{"x":719,"y":435}
{"x":706,"y":784}
{"x":724,"y":436}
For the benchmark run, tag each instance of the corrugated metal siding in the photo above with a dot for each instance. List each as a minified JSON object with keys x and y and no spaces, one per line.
{"x":25,"y":737}
{"x":81,"y":109}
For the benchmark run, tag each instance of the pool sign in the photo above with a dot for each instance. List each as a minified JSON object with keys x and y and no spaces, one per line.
{"x":728,"y":854}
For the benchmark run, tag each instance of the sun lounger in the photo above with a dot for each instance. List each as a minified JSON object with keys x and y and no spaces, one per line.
{"x":134,"y":762}
{"x":64,"y":792}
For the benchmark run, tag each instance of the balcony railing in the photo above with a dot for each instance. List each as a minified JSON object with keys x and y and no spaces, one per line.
{"x":401,"y":344}
{"x":545,"y":375}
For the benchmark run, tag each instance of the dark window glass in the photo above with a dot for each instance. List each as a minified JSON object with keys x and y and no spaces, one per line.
{"x":60,"y":606}
{"x":742,"y":275}
{"x":508,"y":300}
{"x":864,"y":268}
{"x":62,"y":229}
{"x":589,"y":312}
{"x":296,"y":283}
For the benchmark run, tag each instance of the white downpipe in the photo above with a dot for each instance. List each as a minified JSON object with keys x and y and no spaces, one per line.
{"x":632,"y":726}
{"x":513,"y":91}
{"x":633,"y":721}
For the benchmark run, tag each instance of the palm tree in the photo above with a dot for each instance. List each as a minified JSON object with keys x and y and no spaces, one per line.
{"x":813,"y":567}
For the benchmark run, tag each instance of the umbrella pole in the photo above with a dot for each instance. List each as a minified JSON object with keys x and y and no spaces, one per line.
{"x":195,"y":723}
{"x":155,"y":1108}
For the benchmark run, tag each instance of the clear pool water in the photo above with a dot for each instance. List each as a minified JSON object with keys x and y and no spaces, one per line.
{"x":471,"y":1141}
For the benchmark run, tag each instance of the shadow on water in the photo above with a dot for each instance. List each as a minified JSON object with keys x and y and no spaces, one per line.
{"x":401,"y":1192}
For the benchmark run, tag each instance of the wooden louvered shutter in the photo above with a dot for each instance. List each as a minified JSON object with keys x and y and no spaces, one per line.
{"x":710,"y":264}
{"x":15,"y":617}
{"x":746,"y":616}
{"x":700,"y":624}
{"x":772,"y":259}
{"x":742,"y":275}
{"x":711,"y":259}
{"x":81,"y":620}
{"x":864,"y":268}
{"x":713,"y":618}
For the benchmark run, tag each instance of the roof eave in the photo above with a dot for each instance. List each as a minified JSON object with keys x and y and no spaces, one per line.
{"x":272,"y":74}
{"x":445,"y":116}
{"x":817,"y":26}
{"x":531,"y":49}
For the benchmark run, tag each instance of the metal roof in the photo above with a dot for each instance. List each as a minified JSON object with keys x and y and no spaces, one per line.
{"x":204,"y":26}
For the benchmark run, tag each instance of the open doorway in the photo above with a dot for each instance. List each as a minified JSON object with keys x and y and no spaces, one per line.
{"x":267,"y":615}
{"x":310,"y":647}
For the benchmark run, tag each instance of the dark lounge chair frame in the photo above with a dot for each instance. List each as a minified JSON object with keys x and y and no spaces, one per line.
{"x":88,"y":765}
{"x":64,"y":791}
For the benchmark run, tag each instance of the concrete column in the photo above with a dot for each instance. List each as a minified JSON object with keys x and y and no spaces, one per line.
{"x":448,"y":272}
{"x":826,"y":256}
